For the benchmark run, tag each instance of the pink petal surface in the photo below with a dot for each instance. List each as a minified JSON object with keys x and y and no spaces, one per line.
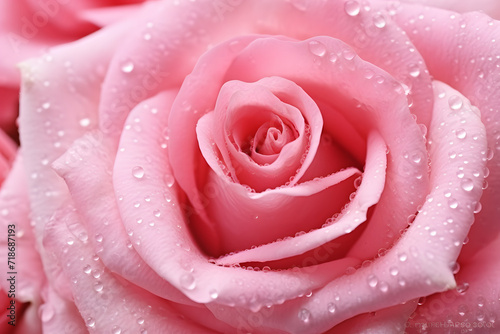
{"x":14,"y":210}
{"x":86,"y":168}
{"x":420,"y":263}
{"x":476,"y":77}
{"x":108,"y":303}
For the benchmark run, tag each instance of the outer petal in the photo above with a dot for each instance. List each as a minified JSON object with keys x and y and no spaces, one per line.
{"x":28,"y":271}
{"x":105,"y":302}
{"x":474,"y":72}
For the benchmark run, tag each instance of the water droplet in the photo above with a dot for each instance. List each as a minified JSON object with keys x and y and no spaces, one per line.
{"x":304,"y":315}
{"x":383,"y":286}
{"x":140,"y":320}
{"x":187,"y":281}
{"x":213,"y":294}
{"x":331,"y":308}
{"x":98,"y":286}
{"x":461,"y":133}
{"x":352,"y":7}
{"x":453,"y":203}
{"x":467,"y":184}
{"x":462,"y":309}
{"x":138,"y":172}
{"x":478,"y":207}
{"x":455,"y":102}
{"x":414,"y":70}
{"x":333,"y":57}
{"x":403,"y":257}
{"x":98,"y":237}
{"x":317,"y":48}
{"x":157,"y":213}
{"x":90,"y":322}
{"x":127,"y":67}
{"x":394,"y":271}
{"x":372,"y":281}
{"x":116,"y":330}
{"x":411,"y":219}
{"x":169,"y":180}
{"x":87,"y":269}
{"x":462,"y":288}
{"x":348,"y":54}
{"x":84,"y":122}
{"x":96,"y":273}
{"x":379,"y":21}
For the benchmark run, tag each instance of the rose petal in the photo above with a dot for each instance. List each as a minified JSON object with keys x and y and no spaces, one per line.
{"x":355,"y":214}
{"x":105,"y":302}
{"x":14,"y":210}
{"x":86,"y":168}
{"x":476,"y":76}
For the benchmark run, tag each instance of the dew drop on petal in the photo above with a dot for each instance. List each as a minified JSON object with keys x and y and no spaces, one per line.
{"x":467,"y":184}
{"x":455,"y":102}
{"x":372,"y":281}
{"x":478,"y":207}
{"x":331,"y":308}
{"x":213,"y":294}
{"x":98,"y":286}
{"x":116,"y":330}
{"x":383,"y":286}
{"x":127,"y":67}
{"x":317,"y":48}
{"x":304,"y":315}
{"x":90,"y":322}
{"x":453,"y":203}
{"x":187,"y":281}
{"x":352,"y":7}
{"x":462,"y":288}
{"x":461,"y":134}
{"x":84,"y":122}
{"x":414,"y":70}
{"x":379,"y":21}
{"x":138,"y":172}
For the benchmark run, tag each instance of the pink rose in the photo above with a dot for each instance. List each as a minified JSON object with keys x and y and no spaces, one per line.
{"x":28,"y":28}
{"x":268,"y":167}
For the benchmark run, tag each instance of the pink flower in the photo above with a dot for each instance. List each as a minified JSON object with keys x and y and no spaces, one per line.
{"x":266,"y":167}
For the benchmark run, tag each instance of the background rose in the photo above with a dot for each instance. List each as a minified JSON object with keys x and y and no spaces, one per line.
{"x":89,"y":242}
{"x":28,"y":28}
